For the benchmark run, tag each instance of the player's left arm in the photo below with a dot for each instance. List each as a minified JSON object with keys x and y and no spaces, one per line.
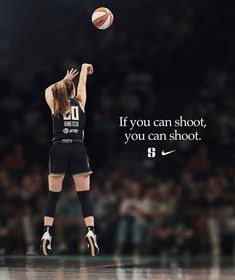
{"x":70,"y":75}
{"x":87,"y":69}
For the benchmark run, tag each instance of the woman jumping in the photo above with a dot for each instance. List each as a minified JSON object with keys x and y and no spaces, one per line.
{"x":68,"y":153}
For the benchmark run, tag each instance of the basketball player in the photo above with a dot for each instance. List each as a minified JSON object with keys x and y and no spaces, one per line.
{"x":68,"y":153}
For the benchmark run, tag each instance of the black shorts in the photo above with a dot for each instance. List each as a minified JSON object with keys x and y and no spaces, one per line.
{"x":69,"y":157}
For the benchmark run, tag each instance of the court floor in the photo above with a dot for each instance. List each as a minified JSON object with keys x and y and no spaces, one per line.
{"x":60,"y":268}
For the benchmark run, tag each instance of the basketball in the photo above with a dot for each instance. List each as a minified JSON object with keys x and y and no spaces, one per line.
{"x":102,"y":18}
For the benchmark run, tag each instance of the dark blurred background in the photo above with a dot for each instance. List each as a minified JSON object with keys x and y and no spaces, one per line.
{"x":160,"y":59}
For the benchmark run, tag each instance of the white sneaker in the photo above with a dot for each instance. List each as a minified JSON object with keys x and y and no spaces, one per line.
{"x":46,"y":244}
{"x":92,"y":243}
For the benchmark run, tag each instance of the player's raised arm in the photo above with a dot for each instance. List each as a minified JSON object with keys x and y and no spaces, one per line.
{"x":87,"y":69}
{"x":70,"y":75}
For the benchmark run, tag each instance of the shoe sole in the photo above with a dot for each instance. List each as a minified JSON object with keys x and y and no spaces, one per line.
{"x":45,"y":242}
{"x":93,"y":250}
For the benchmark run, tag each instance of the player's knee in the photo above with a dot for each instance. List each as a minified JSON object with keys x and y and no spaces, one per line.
{"x":51,"y":202}
{"x":86,"y":203}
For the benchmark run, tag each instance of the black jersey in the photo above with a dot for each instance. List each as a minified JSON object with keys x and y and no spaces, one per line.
{"x":70,"y":126}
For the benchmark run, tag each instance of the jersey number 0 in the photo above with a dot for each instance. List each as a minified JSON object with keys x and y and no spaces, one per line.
{"x":74,"y":114}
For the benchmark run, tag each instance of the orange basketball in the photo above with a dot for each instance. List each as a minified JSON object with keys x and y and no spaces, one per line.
{"x":102,"y":18}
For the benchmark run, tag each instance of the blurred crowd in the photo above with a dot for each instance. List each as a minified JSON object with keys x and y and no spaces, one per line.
{"x":178,"y":63}
{"x":143,"y":215}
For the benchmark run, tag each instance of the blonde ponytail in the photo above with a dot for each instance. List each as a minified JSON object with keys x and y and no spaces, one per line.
{"x":61,"y":93}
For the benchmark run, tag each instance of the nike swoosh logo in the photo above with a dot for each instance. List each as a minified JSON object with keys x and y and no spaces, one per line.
{"x":167,"y":153}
